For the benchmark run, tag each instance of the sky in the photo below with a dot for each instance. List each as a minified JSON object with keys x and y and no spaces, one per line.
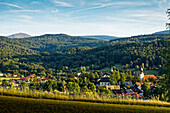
{"x":83,"y":17}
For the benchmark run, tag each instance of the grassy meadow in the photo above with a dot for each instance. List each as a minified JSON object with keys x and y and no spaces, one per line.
{"x":29,"y":105}
{"x":80,"y":98}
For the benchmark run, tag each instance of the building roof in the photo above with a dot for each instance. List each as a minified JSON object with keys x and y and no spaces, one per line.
{"x":105,"y":79}
{"x":138,"y":83}
{"x":43,"y":79}
{"x":31,"y":76}
{"x":23,"y":78}
{"x":149,"y":76}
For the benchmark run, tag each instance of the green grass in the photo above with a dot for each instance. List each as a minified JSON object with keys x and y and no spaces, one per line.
{"x":46,"y":95}
{"x":10,"y":104}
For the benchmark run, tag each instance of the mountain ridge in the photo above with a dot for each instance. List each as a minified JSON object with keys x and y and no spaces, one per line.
{"x":163,"y":32}
{"x":19,"y":35}
{"x":101,"y":37}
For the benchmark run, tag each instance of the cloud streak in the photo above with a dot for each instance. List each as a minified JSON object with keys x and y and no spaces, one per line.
{"x":116,"y":4}
{"x":11,"y":5}
{"x":25,"y":17}
{"x":25,"y":11}
{"x":64,"y":4}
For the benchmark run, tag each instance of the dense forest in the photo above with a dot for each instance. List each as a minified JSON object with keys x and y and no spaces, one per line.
{"x":140,"y":38}
{"x":52,"y":43}
{"x":49,"y":53}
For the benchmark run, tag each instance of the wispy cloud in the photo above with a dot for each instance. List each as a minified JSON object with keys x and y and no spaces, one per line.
{"x":120,"y":19}
{"x":162,"y":3}
{"x":148,"y":15}
{"x":25,"y":17}
{"x":116,"y":4}
{"x":25,"y":11}
{"x":120,"y":3}
{"x":35,"y":2}
{"x":55,"y":11}
{"x":64,"y":4}
{"x":11,"y":5}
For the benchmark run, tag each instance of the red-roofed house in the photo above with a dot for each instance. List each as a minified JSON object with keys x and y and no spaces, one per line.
{"x":146,"y":77}
{"x":32,"y":76}
{"x":23,"y":79}
{"x":138,"y":84}
{"x":45,"y":79}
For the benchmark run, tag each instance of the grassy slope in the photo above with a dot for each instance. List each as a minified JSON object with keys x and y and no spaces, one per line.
{"x":19,"y":105}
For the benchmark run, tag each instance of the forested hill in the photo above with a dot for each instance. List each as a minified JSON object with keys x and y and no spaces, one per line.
{"x":8,"y":50}
{"x":140,"y":38}
{"x":56,"y":51}
{"x":62,"y":42}
{"x":131,"y":55}
{"x":52,"y":43}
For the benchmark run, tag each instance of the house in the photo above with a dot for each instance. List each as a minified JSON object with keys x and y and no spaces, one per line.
{"x":45,"y":79}
{"x":15,"y":75}
{"x":106,"y":74}
{"x":31,"y":76}
{"x":104,"y":81}
{"x":146,"y":77}
{"x":129,"y":91}
{"x":113,"y":87}
{"x":78,"y":74}
{"x":126,"y":92}
{"x":23,"y":79}
{"x":138,"y":84}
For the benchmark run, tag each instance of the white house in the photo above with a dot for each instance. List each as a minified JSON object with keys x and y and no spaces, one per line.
{"x":1,"y":74}
{"x":78,"y":74}
{"x":104,"y":81}
{"x":15,"y":75}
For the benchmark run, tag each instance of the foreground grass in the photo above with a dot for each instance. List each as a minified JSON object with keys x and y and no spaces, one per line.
{"x":52,"y":96}
{"x":10,"y":104}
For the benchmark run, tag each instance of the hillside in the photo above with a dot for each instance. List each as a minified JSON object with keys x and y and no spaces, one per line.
{"x":56,"y":51}
{"x":130,"y":54}
{"x":19,"y":35}
{"x":140,"y":38}
{"x":52,"y":43}
{"x":8,"y":50}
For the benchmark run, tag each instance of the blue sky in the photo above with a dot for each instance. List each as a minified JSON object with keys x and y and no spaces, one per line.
{"x":83,"y":17}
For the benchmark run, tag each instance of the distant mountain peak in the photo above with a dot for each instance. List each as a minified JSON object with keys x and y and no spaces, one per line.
{"x":163,"y":32}
{"x":101,"y":37}
{"x":19,"y":35}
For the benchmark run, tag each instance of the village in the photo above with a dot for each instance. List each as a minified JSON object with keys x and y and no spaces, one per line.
{"x":111,"y":83}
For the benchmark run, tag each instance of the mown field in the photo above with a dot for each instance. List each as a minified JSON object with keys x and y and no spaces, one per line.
{"x":9,"y":104}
